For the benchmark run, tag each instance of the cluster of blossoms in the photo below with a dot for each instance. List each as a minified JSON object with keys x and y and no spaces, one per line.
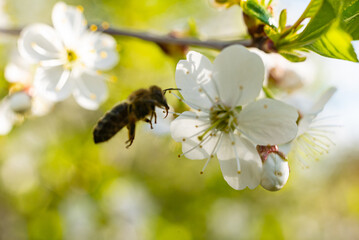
{"x":250,"y":135}
{"x":227,"y":121}
{"x":56,"y":62}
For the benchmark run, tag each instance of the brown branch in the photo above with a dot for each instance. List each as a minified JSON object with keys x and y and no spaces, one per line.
{"x":159,"y":39}
{"x":167,"y":39}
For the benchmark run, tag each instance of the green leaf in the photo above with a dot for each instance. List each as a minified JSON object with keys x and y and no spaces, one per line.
{"x":254,"y":9}
{"x":336,"y":43}
{"x":283,"y":19}
{"x":350,"y":18}
{"x":293,"y":56}
{"x":322,"y":16}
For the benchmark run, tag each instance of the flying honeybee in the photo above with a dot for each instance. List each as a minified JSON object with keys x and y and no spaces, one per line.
{"x":141,"y":104}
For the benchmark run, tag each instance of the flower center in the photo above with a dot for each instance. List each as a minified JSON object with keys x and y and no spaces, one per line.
{"x":71,"y":55}
{"x":224,"y":118}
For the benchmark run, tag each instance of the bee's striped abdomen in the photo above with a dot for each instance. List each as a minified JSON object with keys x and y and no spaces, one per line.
{"x":113,"y":121}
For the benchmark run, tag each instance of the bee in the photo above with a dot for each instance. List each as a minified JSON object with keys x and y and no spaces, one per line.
{"x":140,"y":106}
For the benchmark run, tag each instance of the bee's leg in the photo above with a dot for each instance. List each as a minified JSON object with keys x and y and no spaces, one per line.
{"x":148,"y":121}
{"x":153,"y":114}
{"x":131,"y":133}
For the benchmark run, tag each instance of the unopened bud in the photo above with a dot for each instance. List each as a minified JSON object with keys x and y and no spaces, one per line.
{"x":275,"y":173}
{"x":20,"y":102}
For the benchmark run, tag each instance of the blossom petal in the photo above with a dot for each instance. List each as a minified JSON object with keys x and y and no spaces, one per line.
{"x":7,"y":118}
{"x":250,"y":163}
{"x":239,"y":75}
{"x":98,"y":51}
{"x":322,"y":101}
{"x":90,"y":90}
{"x":39,"y":42}
{"x":184,"y":129}
{"x":194,"y":78}
{"x":268,"y":121}
{"x":18,"y":70}
{"x":53,"y":83}
{"x":69,"y":22}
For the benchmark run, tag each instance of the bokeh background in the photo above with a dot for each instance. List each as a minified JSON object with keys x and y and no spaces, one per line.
{"x":55,"y":183}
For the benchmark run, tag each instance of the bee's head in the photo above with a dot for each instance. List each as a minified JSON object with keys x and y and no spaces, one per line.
{"x":158,"y":95}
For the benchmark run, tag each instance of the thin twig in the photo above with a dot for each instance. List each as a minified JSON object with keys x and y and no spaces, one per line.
{"x":159,"y":39}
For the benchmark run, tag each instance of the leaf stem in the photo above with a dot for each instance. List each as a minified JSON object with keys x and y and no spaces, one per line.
{"x":268,"y":92}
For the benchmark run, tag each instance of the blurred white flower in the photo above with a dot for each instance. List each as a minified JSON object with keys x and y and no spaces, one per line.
{"x":7,"y":117}
{"x":18,"y":173}
{"x":228,"y":122}
{"x":129,"y":207}
{"x":22,"y":99}
{"x":286,"y":75}
{"x":313,"y":138}
{"x":70,"y":57}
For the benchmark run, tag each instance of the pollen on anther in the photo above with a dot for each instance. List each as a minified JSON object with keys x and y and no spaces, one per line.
{"x":164,"y":111}
{"x":105,"y":25}
{"x":200,"y":90}
{"x":239,"y":172}
{"x":103,"y":54}
{"x":93,"y":28}
{"x":200,"y":146}
{"x":233,"y":143}
{"x":196,"y":126}
{"x":80,"y":8}
{"x":212,"y":156}
{"x":179,"y":155}
{"x":197,"y":117}
{"x":241,"y":87}
{"x":265,"y":106}
{"x":113,"y":79}
{"x":201,"y":172}
{"x":187,"y":72}
{"x":183,"y":140}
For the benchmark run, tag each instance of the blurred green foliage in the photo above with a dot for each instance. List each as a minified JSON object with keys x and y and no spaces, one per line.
{"x":55,"y":183}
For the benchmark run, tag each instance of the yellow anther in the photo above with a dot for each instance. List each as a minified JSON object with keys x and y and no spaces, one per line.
{"x":105,"y":25}
{"x":113,"y":79}
{"x":103,"y":54}
{"x":239,"y":172}
{"x":80,"y":8}
{"x":93,"y":28}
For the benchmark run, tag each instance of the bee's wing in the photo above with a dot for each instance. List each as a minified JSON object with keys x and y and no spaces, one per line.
{"x":113,"y":121}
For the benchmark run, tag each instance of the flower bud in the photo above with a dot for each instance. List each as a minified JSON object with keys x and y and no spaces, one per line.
{"x":275,"y":173}
{"x":20,"y":102}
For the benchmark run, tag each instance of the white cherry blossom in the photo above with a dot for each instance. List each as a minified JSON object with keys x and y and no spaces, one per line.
{"x":313,"y":138}
{"x":227,"y":121}
{"x":70,"y":57}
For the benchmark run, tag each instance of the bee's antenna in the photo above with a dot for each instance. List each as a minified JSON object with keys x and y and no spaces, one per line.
{"x":169,"y":89}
